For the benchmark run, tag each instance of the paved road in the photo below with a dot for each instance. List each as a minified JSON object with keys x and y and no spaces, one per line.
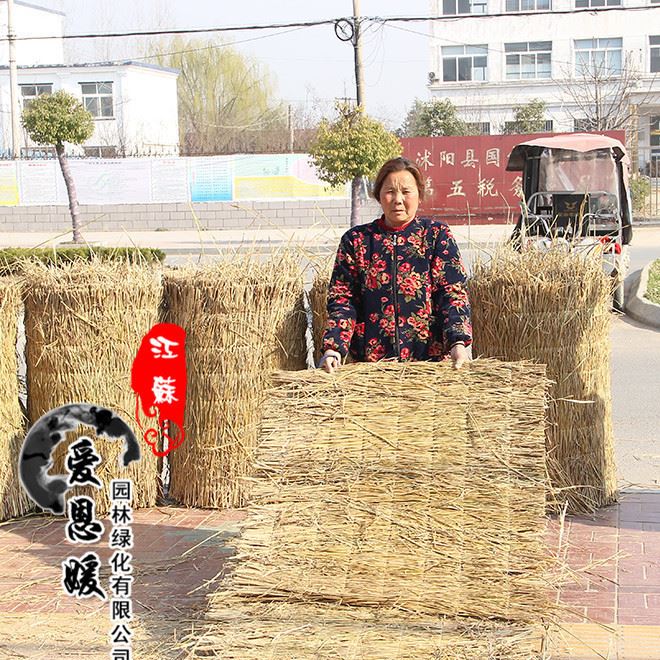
{"x":636,"y":401}
{"x":636,"y":382}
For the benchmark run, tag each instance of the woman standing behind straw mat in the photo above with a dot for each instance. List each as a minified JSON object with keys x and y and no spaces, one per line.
{"x":398,"y":285}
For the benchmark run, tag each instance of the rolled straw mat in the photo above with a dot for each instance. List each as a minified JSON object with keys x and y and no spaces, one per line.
{"x":555,"y":308}
{"x":84,"y":324}
{"x":243,"y":320}
{"x":13,"y":501}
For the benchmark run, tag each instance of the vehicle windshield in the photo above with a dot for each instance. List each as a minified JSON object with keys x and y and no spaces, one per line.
{"x":571,"y":171}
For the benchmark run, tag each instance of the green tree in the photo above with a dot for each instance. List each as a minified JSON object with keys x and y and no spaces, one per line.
{"x":56,"y":119}
{"x":527,"y":118}
{"x":351,"y":147}
{"x":226,"y":100}
{"x":433,"y":119}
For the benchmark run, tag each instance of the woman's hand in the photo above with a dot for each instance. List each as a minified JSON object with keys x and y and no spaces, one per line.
{"x":330,"y":361}
{"x":459,"y":355}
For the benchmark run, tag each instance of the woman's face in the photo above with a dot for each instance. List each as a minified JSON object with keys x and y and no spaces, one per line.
{"x":399,"y":198}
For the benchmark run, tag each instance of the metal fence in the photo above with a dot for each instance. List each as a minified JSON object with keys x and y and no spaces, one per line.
{"x":649,"y":187}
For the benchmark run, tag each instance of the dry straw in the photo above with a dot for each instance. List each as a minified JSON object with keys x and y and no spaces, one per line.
{"x":244,"y":319}
{"x":13,"y":501}
{"x":411,"y":486}
{"x":314,"y":631}
{"x":554,"y":308}
{"x":318,"y":298}
{"x":84,"y":324}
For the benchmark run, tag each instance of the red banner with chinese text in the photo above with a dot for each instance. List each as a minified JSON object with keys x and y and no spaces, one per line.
{"x":466,"y":176}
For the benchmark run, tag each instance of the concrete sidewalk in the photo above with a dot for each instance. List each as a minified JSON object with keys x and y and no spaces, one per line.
{"x":611,"y":611}
{"x":184,"y":242}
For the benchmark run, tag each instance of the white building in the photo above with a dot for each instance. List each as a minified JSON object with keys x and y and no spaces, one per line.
{"x":134,"y":105}
{"x":497,"y":54}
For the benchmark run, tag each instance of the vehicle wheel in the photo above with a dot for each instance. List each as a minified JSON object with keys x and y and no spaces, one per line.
{"x":617,"y":298}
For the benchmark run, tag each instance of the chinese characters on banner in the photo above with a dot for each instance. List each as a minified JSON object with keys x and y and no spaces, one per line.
{"x":466,"y":177}
{"x":158,"y":378}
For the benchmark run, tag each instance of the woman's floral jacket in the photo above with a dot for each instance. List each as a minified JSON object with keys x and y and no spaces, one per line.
{"x":397,"y":293}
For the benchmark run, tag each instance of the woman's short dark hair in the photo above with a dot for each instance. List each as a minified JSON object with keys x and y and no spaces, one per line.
{"x":398,"y":165}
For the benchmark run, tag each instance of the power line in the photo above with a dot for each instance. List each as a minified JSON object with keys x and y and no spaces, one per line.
{"x":330,"y":21}
{"x":155,"y":33}
{"x":198,"y":49}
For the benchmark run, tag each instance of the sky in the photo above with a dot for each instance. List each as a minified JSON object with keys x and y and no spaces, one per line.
{"x":310,"y":66}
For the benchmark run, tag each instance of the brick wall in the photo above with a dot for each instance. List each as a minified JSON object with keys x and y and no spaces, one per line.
{"x":176,"y":216}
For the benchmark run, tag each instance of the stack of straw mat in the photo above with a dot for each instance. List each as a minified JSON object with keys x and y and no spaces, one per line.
{"x":13,"y":501}
{"x":243,"y":320}
{"x":84,"y":324}
{"x":554,"y":308}
{"x":408,"y":488}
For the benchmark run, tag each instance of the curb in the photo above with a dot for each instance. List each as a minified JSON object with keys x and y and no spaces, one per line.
{"x":637,"y":306}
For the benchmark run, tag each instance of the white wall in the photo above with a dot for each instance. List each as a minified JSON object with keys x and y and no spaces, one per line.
{"x":149,"y":109}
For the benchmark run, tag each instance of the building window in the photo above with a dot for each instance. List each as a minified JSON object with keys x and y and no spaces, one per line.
{"x":454,"y":7}
{"x":583,"y":125}
{"x":598,"y":56}
{"x":31,"y":92}
{"x":464,"y":63}
{"x":528,"y":5}
{"x":594,"y":4}
{"x":548,"y":126}
{"x":655,"y":131}
{"x":97,"y":98}
{"x":654,"y":42}
{"x":100,"y":152}
{"x":478,"y":127}
{"x":528,"y":59}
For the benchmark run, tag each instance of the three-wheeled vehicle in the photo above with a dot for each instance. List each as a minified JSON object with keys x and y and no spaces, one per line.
{"x":575,"y":189}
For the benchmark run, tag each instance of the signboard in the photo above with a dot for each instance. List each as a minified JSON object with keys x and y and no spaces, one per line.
{"x":38,"y":181}
{"x":8,"y":184}
{"x":210,"y":179}
{"x":164,"y":180}
{"x":466,"y":176}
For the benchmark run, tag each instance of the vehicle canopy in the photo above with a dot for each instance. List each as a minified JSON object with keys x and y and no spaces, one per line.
{"x":573,"y":165}
{"x":580,"y":142}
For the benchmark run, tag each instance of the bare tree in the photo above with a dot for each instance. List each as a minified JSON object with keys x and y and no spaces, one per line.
{"x":604,"y":97}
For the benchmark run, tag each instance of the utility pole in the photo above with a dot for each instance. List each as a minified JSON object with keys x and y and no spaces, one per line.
{"x":356,"y":184}
{"x":357,"y":52}
{"x":290,"y":124}
{"x":349,"y":29}
{"x":13,"y":84}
